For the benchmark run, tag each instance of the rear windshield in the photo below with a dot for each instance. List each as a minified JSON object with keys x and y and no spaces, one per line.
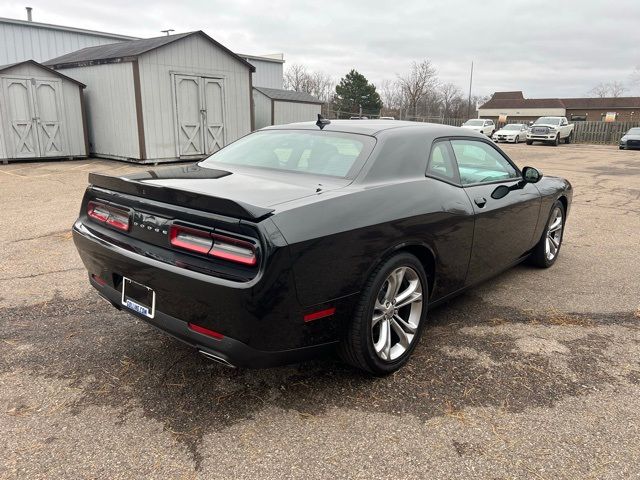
{"x":513,"y":126}
{"x":474,"y":123}
{"x":305,"y":151}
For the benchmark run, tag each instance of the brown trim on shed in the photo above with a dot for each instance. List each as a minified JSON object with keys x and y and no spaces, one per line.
{"x":139,"y":117}
{"x":85,"y":128}
{"x":273,"y":112}
{"x":252,"y":103}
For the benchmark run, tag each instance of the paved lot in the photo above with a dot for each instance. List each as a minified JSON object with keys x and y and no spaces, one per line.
{"x":535,"y":374}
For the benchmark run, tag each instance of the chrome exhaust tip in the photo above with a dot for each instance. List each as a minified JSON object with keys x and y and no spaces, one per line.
{"x":216,"y":358}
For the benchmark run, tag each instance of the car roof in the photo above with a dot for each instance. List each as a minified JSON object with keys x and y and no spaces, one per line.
{"x":375,"y":127}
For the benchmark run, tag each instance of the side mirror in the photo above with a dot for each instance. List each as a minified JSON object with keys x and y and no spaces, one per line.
{"x":531,"y":175}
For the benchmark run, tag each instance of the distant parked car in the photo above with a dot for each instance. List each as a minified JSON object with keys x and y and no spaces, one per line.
{"x":358,"y":118}
{"x":514,"y":132}
{"x":631,"y":139}
{"x":480,"y":125}
{"x":551,"y":130}
{"x":387,"y":118}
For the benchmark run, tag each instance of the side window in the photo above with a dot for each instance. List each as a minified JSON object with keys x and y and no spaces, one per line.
{"x":479,"y":162}
{"x":441,"y":162}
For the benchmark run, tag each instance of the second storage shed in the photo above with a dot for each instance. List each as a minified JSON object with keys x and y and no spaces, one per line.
{"x":274,"y":106}
{"x":160,"y":99}
{"x":41,"y":113}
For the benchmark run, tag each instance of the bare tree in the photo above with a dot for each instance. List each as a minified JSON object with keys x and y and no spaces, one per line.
{"x":611,"y":89}
{"x":391,"y":94}
{"x":296,"y":77}
{"x":417,"y":83}
{"x":318,"y":84}
{"x":450,"y":95}
{"x":616,"y":89}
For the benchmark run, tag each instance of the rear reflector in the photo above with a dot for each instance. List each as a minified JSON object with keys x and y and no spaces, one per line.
{"x":100,"y":281}
{"x":118,"y":218}
{"x":319,"y":314}
{"x":213,"y":244}
{"x":205,"y":331}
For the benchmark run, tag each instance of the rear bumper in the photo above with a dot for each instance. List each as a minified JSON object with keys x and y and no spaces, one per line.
{"x":261,"y":321}
{"x":226,"y":350}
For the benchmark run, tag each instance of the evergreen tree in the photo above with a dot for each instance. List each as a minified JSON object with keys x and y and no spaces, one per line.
{"x":355,"y":90}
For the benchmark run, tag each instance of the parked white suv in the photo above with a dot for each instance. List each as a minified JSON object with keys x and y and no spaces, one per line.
{"x":551,"y":130}
{"x":480,"y":125}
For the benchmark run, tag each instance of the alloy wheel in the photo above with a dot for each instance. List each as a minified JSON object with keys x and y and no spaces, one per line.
{"x":396,"y":313}
{"x":554,"y":234}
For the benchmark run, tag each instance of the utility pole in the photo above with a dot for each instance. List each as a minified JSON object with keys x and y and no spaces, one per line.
{"x":470,"y":84}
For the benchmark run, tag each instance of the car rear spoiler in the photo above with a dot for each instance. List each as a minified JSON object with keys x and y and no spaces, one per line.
{"x":184,"y":198}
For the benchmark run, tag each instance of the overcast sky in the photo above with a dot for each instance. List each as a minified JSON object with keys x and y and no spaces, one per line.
{"x":545,"y":48}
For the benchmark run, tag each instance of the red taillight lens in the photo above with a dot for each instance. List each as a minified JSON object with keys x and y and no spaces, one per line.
{"x":213,"y":244}
{"x":190,"y":239}
{"x":116,"y":217}
{"x":233,"y":249}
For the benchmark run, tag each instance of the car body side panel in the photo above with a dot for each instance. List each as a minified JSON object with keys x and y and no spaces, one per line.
{"x":551,"y":189}
{"x":504,"y":227}
{"x":336,"y":242}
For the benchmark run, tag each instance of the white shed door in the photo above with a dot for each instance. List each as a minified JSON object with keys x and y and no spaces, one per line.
{"x":21,"y":136}
{"x":48,"y":117}
{"x":34,"y":115}
{"x":189,"y":115}
{"x":199,"y":115}
{"x":214,"y":114}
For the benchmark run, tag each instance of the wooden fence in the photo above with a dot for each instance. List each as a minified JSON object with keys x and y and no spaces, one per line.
{"x":606,"y":133}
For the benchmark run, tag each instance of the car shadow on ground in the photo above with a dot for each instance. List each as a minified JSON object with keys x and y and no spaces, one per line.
{"x":472,"y":354}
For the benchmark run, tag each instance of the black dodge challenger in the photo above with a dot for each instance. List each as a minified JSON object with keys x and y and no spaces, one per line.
{"x":301,"y":238}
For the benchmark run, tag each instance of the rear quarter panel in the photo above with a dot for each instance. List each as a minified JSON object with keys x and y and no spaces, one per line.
{"x":336,"y":242}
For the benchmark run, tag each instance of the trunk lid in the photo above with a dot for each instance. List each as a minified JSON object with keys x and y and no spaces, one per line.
{"x":248,"y":194}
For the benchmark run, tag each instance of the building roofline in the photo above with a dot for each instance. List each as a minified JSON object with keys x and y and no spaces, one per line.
{"x":33,"y":62}
{"x":59,"y":63}
{"x":51,"y":26}
{"x":258,"y":57}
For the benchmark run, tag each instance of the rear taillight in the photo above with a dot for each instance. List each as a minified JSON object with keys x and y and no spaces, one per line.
{"x":190,"y":239}
{"x":233,"y":249}
{"x":213,"y":244}
{"x":118,"y":218}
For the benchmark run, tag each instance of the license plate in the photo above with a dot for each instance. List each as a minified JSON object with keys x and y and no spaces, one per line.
{"x":139,"y":298}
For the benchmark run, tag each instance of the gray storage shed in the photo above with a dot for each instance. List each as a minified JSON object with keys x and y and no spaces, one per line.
{"x":275,"y":107}
{"x":41,"y":113}
{"x":160,"y":99}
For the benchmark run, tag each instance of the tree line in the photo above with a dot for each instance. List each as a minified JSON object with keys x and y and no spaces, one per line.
{"x":417,"y":93}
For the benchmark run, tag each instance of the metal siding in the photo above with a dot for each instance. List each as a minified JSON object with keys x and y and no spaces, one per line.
{"x":262,"y":105}
{"x":191,"y":56}
{"x":24,"y":42}
{"x":111,"y":109}
{"x":267,"y":74}
{"x":290,"y":112}
{"x":72,"y":128}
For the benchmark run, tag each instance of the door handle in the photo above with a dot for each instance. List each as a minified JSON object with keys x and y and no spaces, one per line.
{"x":480,"y":201}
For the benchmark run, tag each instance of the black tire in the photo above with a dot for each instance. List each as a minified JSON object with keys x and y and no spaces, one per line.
{"x":556,"y":142}
{"x":538,"y":256}
{"x":621,"y":148}
{"x":517,"y":139}
{"x":356,"y":347}
{"x":529,"y":142}
{"x":567,"y":140}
